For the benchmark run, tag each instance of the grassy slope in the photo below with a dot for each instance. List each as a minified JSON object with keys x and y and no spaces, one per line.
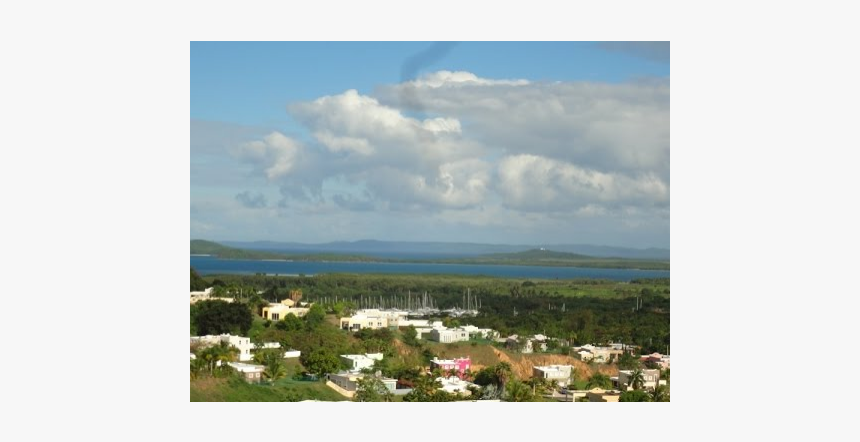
{"x":225,"y":390}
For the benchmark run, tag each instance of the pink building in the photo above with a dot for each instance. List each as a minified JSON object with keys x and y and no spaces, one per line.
{"x":660,"y":360}
{"x":459,"y":364}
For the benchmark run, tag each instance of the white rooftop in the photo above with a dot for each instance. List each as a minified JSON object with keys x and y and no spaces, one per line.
{"x":246,"y":368}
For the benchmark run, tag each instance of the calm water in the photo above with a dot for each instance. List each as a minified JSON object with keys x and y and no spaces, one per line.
{"x":207,"y":265}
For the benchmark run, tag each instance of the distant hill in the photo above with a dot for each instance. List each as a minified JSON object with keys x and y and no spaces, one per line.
{"x":202,"y":247}
{"x":439,"y":250}
{"x":535,"y":257}
{"x":543,"y":257}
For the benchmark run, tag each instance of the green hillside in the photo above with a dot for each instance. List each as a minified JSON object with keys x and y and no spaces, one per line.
{"x":539,"y":257}
{"x":201,"y":247}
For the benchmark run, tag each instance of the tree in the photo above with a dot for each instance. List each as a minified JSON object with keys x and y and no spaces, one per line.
{"x":274,"y":368}
{"x":289,"y":323}
{"x":372,"y":389}
{"x":599,"y":380}
{"x":217,"y":317}
{"x":486,"y":376}
{"x":636,"y":379}
{"x":503,"y":373}
{"x":628,"y":362}
{"x":214,"y":354}
{"x":320,"y":362}
{"x":315,"y":317}
{"x":517,"y":391}
{"x":660,"y":394}
{"x":197,"y":283}
{"x":198,"y":365}
{"x":423,"y":389}
{"x":410,"y":336}
{"x":635,"y":396}
{"x":540,"y":386}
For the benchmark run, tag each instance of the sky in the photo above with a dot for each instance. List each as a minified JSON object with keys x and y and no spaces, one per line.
{"x":502,"y":143}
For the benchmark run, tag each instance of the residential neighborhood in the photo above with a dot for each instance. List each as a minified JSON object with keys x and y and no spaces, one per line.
{"x":591,"y":372}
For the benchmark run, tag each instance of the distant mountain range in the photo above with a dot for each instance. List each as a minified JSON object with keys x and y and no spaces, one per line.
{"x":415,"y":250}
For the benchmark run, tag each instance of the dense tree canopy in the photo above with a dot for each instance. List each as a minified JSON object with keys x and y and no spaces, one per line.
{"x":197,"y":283}
{"x":584,"y":310}
{"x":635,"y":396}
{"x":217,"y":317}
{"x":320,"y":362}
{"x":372,"y":389}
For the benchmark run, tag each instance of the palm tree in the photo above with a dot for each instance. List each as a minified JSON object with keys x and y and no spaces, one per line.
{"x":518,"y":392}
{"x":503,"y":372}
{"x":426,"y":385}
{"x":197,"y":365}
{"x":274,"y":370}
{"x":468,"y":375}
{"x":660,"y":394}
{"x":636,"y":379}
{"x":599,"y":380}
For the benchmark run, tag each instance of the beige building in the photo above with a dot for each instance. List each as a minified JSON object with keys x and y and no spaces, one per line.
{"x":277,"y":312}
{"x":601,"y":395}
{"x":651,"y":377}
{"x":346,"y":383}
{"x":363,"y":320}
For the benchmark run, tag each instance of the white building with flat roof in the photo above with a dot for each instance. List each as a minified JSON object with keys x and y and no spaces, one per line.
{"x":360,"y":362}
{"x":449,"y":335}
{"x":251,"y":372}
{"x":242,"y":343}
{"x":650,"y":377}
{"x":372,"y":319}
{"x":277,"y":312}
{"x":348,"y":382}
{"x":455,"y":385}
{"x":559,"y":373}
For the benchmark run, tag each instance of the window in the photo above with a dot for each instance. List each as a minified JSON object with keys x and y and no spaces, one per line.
{"x":274,"y":316}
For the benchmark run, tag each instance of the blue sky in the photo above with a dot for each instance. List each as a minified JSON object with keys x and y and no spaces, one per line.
{"x":530,"y":143}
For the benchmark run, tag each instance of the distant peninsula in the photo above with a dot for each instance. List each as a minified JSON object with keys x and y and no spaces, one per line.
{"x":533,"y":257}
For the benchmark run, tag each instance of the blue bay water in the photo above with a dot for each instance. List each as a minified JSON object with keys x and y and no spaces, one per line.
{"x":207,"y":265}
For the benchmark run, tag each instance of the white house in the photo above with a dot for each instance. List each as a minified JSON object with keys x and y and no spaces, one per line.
{"x":598,"y":354}
{"x":242,"y":343}
{"x":292,"y":354}
{"x":251,"y":372}
{"x":348,"y":382}
{"x":363,"y":320}
{"x":455,"y":385}
{"x":558,"y":373}
{"x":651,"y":378}
{"x":359,"y":362}
{"x":486,"y":333}
{"x":527,"y":347}
{"x":449,"y":335}
{"x":423,"y":332}
{"x":277,"y":312}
